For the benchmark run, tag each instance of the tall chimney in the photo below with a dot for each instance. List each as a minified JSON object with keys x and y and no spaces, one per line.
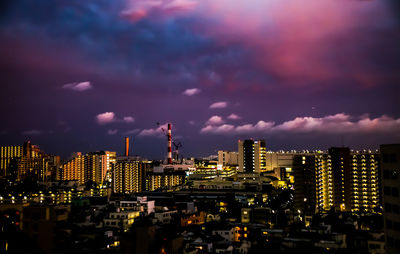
{"x":169,"y":144}
{"x":126,"y":146}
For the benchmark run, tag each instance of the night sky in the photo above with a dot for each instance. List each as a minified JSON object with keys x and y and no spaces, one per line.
{"x":81,"y":75}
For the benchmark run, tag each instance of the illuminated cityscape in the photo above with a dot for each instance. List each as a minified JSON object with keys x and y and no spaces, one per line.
{"x":334,"y":200}
{"x":200,"y":126}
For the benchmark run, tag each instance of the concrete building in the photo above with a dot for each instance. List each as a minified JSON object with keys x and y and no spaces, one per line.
{"x":167,"y":179}
{"x":365,"y":181}
{"x":141,"y":204}
{"x":252,"y":155}
{"x":74,"y":169}
{"x":344,"y":180}
{"x":226,"y":158}
{"x":40,"y":224}
{"x":305,"y":183}
{"x":279,"y":159}
{"x":94,"y":167}
{"x":121,"y":219}
{"x":129,"y":175}
{"x":390,"y":165}
{"x":7,"y":154}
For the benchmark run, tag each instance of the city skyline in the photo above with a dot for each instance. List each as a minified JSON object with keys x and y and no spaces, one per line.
{"x":80,"y":76}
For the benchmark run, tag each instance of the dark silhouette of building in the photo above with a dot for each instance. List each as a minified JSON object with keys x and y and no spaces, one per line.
{"x":252,"y":155}
{"x":304,"y":184}
{"x":390,"y":164}
{"x":40,"y":224}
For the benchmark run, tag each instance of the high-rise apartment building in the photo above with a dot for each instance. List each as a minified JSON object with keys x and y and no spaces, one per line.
{"x":365,"y":180}
{"x":129,"y":175}
{"x":339,"y":173}
{"x":305,"y":183}
{"x":92,"y":167}
{"x":344,"y":180}
{"x":108,"y":159}
{"x":27,"y":162}
{"x":164,"y":180}
{"x":7,"y":154}
{"x":252,"y":155}
{"x":390,"y":165}
{"x":74,"y":169}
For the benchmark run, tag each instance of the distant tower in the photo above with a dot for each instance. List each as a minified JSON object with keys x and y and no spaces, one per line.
{"x":27,"y":149}
{"x":126,"y":146}
{"x":169,"y":135}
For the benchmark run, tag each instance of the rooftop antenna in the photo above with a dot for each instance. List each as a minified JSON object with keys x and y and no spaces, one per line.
{"x":177,"y":145}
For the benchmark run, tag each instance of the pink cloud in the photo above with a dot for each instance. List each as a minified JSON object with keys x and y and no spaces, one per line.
{"x":139,"y":9}
{"x":220,"y":104}
{"x":300,"y":41}
{"x":234,"y":117}
{"x":332,"y":124}
{"x":78,"y":86}
{"x":106,"y":118}
{"x":128,"y":119}
{"x":191,"y":92}
{"x":222,"y":129}
{"x":159,"y":131}
{"x":215,"y":120}
{"x":110,"y":117}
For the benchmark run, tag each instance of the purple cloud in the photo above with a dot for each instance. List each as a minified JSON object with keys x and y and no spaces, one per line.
{"x":106,"y":118}
{"x":234,"y":117}
{"x":191,"y":92}
{"x":128,"y":119}
{"x":140,"y":9}
{"x":332,"y":124}
{"x":109,"y":117}
{"x":159,"y":131}
{"x":78,"y":86}
{"x":215,"y":120}
{"x":222,"y":129}
{"x":220,"y":104}
{"x":112,"y":132}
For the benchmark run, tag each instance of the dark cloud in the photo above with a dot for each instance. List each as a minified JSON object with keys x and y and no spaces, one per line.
{"x":335,"y":57}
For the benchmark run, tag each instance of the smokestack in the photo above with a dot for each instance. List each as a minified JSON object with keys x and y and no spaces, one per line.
{"x":126,"y":146}
{"x":169,"y":134}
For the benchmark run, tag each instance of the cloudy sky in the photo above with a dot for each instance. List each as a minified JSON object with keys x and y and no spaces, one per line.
{"x":81,"y":75}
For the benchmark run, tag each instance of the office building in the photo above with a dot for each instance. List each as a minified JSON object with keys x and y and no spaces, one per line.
{"x":390,"y":165}
{"x":252,"y":155}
